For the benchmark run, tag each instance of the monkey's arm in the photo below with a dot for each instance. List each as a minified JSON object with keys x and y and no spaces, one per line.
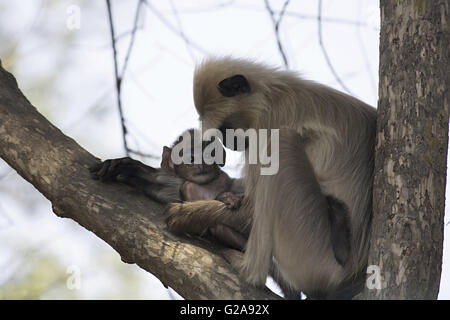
{"x":231,"y":199}
{"x":195,"y":218}
{"x":159,"y":184}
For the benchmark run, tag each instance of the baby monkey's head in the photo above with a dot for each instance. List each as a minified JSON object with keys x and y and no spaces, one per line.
{"x":200,"y":173}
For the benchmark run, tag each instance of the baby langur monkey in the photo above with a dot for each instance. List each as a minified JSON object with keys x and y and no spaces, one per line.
{"x":180,"y":182}
{"x":203,"y":181}
{"x":208,"y":182}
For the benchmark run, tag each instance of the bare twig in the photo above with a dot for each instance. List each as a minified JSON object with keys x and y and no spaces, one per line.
{"x":208,"y":8}
{"x":276,"y":25}
{"x":118,"y":79}
{"x":120,"y":76}
{"x":367,"y":63}
{"x":325,"y":53}
{"x":142,"y":154}
{"x":133,"y":35}
{"x":180,"y":31}
{"x":356,"y":23}
{"x":302,"y":16}
{"x":174,"y":29}
{"x":127,"y":33}
{"x":94,"y":107}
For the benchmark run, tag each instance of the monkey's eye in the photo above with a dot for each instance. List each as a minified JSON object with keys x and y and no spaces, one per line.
{"x":234,"y":86}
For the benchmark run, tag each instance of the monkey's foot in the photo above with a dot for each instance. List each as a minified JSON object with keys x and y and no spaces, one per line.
{"x":228,"y":236}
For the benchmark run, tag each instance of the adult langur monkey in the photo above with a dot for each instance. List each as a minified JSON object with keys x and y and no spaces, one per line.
{"x":313,"y":216}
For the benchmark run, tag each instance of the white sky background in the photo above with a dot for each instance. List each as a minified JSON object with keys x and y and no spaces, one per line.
{"x":157,"y":92}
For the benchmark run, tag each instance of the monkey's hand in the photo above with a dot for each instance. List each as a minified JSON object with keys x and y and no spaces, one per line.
{"x":159,"y":184}
{"x":230,"y":199}
{"x":112,"y":169}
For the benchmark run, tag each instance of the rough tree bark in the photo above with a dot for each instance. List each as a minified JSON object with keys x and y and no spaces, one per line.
{"x":132,"y":224}
{"x":411,"y":150}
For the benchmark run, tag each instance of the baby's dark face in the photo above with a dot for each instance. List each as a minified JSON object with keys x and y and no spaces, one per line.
{"x":198,"y":173}
{"x":201,"y":173}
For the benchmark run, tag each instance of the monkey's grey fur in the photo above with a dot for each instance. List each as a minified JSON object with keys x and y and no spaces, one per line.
{"x":326,"y":152}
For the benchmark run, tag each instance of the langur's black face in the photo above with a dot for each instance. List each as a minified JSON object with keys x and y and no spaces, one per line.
{"x":230,"y":88}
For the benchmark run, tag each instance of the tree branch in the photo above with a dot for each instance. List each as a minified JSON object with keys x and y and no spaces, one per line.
{"x":325,"y":53}
{"x":131,"y":224}
{"x":118,"y":78}
{"x":276,"y":25}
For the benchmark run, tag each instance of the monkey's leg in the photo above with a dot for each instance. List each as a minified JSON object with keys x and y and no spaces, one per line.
{"x":228,"y":236}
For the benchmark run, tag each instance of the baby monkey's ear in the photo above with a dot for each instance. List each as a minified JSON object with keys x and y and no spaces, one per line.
{"x":166,"y":161}
{"x":234,"y":86}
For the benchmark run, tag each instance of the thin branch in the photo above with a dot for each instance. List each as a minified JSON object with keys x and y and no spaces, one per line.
{"x":120,"y":76}
{"x":137,"y":132}
{"x":118,"y":79}
{"x":302,"y":16}
{"x":202,"y":9}
{"x":174,"y":29}
{"x":94,"y":107}
{"x":325,"y":53}
{"x":276,"y":25}
{"x":180,"y":31}
{"x":328,"y":19}
{"x":133,"y":35}
{"x":142,"y":154}
{"x":367,"y":63}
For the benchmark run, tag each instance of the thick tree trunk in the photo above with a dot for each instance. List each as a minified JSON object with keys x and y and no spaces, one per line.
{"x":411,"y":150}
{"x":132,"y":224}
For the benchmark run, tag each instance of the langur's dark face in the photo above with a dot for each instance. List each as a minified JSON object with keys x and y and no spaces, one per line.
{"x":230,"y":88}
